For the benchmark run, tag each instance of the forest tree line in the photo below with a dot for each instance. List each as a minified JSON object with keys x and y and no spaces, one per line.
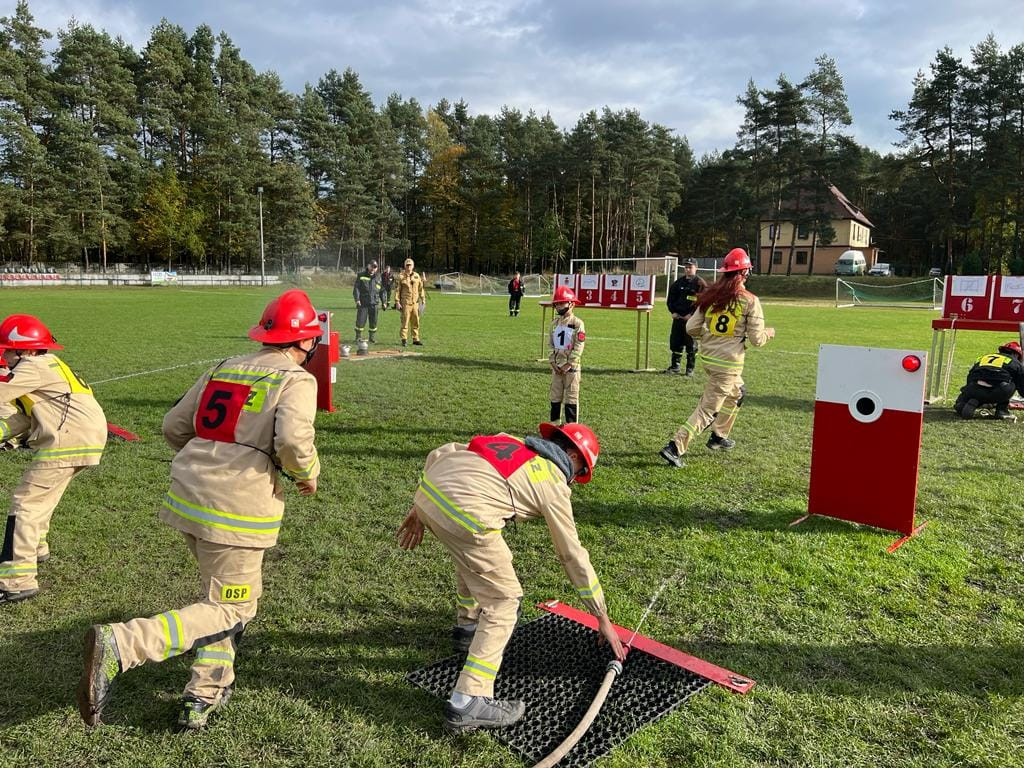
{"x":166,"y":157}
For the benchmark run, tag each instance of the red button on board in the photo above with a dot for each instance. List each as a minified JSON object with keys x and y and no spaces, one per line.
{"x":911,"y":363}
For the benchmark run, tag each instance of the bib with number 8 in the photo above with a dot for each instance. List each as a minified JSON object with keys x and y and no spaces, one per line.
{"x":722,"y":323}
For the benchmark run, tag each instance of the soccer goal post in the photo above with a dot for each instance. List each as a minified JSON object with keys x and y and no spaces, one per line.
{"x":916,"y":294}
{"x":637,"y":265}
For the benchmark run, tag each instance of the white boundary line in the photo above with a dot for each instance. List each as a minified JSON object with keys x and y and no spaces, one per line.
{"x":161,"y":370}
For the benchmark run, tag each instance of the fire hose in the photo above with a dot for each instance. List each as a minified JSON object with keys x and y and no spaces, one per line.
{"x":613,"y":670}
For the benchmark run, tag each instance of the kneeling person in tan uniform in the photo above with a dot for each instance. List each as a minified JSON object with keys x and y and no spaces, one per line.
{"x":243,"y":426}
{"x":50,"y":404}
{"x":467,"y":494}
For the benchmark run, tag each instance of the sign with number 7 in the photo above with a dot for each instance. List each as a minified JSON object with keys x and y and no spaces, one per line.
{"x":1008,"y":303}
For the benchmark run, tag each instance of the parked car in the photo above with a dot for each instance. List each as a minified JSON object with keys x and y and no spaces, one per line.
{"x":851,"y":263}
{"x":881,"y":270}
{"x":935,"y":272}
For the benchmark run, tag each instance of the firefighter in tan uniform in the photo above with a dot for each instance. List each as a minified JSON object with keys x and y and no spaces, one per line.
{"x":467,"y":493}
{"x":726,"y":317}
{"x":239,"y":432}
{"x":50,"y":404}
{"x":566,"y":342}
{"x":409,"y":296}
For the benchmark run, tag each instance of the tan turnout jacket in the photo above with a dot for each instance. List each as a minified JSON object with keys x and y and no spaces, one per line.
{"x":475,"y":500}
{"x":410,"y":289}
{"x":49,"y":402}
{"x":566,"y":340}
{"x":241,"y":420}
{"x":723,"y":335}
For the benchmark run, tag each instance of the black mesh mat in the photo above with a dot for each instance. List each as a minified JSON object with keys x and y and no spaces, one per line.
{"x":555,"y":666}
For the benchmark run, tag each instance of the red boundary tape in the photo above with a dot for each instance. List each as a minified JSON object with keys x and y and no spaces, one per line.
{"x":725,"y":678}
{"x":124,"y":434}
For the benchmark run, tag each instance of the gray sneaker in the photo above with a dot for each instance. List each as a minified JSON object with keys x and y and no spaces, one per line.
{"x":716,"y":443}
{"x":671,"y":454}
{"x":482,"y":712}
{"x":7,"y":596}
{"x":102,"y":665}
{"x":195,"y":713}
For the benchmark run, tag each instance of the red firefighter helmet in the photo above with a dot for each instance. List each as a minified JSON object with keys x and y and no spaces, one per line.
{"x":288,"y":318}
{"x":1012,"y":347}
{"x":564,"y":293}
{"x":735,"y":260}
{"x":26,"y":332}
{"x":582,"y":437}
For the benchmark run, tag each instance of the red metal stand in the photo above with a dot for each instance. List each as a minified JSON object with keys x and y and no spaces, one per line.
{"x":891,"y":548}
{"x":725,"y":678}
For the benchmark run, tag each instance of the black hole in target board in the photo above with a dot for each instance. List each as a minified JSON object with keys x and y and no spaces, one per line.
{"x":865,"y":406}
{"x":554,"y":665}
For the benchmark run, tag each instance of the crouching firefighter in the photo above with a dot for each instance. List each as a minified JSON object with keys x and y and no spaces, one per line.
{"x":239,"y":432}
{"x":467,"y":493}
{"x":992,"y":381}
{"x":48,"y":404}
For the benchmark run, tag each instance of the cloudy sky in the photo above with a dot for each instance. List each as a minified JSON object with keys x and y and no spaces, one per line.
{"x":679,"y":63}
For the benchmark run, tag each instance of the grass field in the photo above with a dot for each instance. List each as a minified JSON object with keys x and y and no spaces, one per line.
{"x":862,"y":658}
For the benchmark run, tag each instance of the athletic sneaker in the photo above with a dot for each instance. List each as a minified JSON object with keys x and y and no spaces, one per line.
{"x":671,"y":454}
{"x":196,"y":712}
{"x":1003,"y":413}
{"x":716,"y":443}
{"x":482,"y":712}
{"x":7,"y":596}
{"x":102,"y":665}
{"x":673,"y":369}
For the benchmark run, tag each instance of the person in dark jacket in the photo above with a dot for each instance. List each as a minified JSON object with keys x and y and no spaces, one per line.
{"x":681,"y":295}
{"x":992,"y":381}
{"x":515,"y":295}
{"x":365,"y":292}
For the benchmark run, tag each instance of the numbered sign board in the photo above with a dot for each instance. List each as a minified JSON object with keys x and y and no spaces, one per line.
{"x":866,"y":444}
{"x":589,"y":291}
{"x":1008,"y":299}
{"x":969,"y":297}
{"x":640,"y":292}
{"x":613,"y":291}
{"x":569,"y":281}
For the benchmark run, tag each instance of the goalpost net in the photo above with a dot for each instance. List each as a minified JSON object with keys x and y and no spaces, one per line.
{"x":488,"y":285}
{"x":917,"y":294}
{"x":637,"y":265}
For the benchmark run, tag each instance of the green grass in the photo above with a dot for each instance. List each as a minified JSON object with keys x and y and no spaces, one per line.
{"x":862,"y":658}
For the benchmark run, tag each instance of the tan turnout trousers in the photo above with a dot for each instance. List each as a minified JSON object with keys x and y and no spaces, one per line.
{"x":28,"y":523}
{"x":488,"y":592}
{"x":721,"y":392}
{"x":410,"y":321}
{"x":565,"y":387}
{"x":232,"y":584}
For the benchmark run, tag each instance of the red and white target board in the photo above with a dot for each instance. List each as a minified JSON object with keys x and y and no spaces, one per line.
{"x":869,"y":405}
{"x":604,"y":291}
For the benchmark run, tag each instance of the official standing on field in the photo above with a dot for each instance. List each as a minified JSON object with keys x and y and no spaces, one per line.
{"x":681,"y":296}
{"x":410,"y":295}
{"x":49,"y":404}
{"x":366,"y":291}
{"x":467,"y":494}
{"x":515,"y":295}
{"x":239,"y":432}
{"x":726,"y":317}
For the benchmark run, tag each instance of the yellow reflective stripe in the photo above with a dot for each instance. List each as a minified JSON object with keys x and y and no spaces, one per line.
{"x":63,"y":453}
{"x":593,"y":591}
{"x":18,"y":570}
{"x":167,"y":634}
{"x":716,"y":362}
{"x":304,"y":474}
{"x":480,"y":666}
{"x":247,"y":377}
{"x":445,"y":504}
{"x":466,"y":601}
{"x":227,"y":658}
{"x":4,"y":430}
{"x":223,"y":520}
{"x":690,"y":428}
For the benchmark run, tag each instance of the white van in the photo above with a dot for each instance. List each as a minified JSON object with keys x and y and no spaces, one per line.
{"x":851,"y":263}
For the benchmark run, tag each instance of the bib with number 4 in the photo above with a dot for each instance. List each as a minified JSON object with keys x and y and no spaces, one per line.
{"x":722,"y":323}
{"x":562,"y":337}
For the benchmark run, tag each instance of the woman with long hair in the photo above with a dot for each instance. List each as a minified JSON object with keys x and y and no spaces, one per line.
{"x":726,"y":316}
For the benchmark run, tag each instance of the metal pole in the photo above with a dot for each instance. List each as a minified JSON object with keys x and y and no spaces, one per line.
{"x":263,"y":259}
